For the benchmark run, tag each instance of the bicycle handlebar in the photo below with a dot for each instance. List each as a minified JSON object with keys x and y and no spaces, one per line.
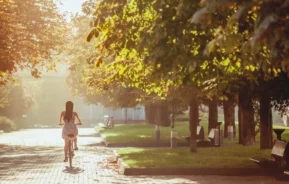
{"x":75,"y":124}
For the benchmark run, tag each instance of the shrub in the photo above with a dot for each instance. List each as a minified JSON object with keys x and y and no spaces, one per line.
{"x":182,"y":117}
{"x":6,"y":124}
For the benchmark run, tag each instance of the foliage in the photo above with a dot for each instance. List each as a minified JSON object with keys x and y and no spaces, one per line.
{"x":6,"y":124}
{"x":264,"y":22}
{"x":4,"y":92}
{"x":182,"y":117}
{"x":88,"y":81}
{"x":254,"y":32}
{"x":31,"y":31}
{"x":158,"y":45}
{"x":153,"y":46}
{"x":17,"y":100}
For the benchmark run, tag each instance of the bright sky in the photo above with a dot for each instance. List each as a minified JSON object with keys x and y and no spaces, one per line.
{"x":72,"y":6}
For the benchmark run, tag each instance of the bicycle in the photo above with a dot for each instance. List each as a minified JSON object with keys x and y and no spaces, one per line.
{"x":70,"y":146}
{"x":70,"y":149}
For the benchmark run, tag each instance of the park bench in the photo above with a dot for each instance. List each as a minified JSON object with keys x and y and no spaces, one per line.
{"x":107,"y":123}
{"x":200,"y":134}
{"x":279,"y":156}
{"x":215,"y":137}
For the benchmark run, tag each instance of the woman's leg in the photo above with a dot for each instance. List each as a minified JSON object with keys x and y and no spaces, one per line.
{"x":65,"y":148}
{"x":75,"y":138}
{"x":75,"y":143}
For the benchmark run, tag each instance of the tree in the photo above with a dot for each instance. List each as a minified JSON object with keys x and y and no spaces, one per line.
{"x":4,"y":92}
{"x":265,"y":21}
{"x":155,"y":40}
{"x":166,"y":51}
{"x":18,"y":101}
{"x":87,"y":80}
{"x":265,"y":25}
{"x":31,"y":41}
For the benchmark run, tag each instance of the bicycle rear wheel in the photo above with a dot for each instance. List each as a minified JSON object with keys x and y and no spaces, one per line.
{"x":70,"y":153}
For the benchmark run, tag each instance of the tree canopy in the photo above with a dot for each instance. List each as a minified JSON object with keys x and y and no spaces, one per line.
{"x":31,"y":32}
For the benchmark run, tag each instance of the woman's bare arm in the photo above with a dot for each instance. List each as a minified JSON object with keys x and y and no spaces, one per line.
{"x":76,"y":115}
{"x":60,"y":120}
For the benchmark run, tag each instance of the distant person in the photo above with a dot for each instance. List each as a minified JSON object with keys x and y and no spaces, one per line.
{"x":69,"y":127}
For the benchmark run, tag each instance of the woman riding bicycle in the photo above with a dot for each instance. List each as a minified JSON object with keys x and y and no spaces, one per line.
{"x":69,"y":126}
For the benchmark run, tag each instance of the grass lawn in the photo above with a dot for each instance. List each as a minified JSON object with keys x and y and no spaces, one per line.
{"x":141,"y":133}
{"x":236,"y":156}
{"x":231,"y":155}
{"x":145,"y":133}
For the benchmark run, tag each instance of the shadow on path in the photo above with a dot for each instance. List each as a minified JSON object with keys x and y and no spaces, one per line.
{"x":73,"y":170}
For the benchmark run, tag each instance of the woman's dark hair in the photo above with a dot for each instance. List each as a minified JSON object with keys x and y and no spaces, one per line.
{"x":68,"y":110}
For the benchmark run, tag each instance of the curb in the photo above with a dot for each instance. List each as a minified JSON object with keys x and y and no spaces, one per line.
{"x":199,"y":171}
{"x":144,"y":145}
{"x":97,"y":132}
{"x":104,"y":140}
{"x":121,"y":164}
{"x":128,"y":171}
{"x":115,"y":156}
{"x":123,"y":167}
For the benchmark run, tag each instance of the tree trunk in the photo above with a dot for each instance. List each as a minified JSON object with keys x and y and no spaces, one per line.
{"x":157,"y":114}
{"x":266,"y":131}
{"x":162,"y":114}
{"x":194,"y":117}
{"x":229,"y":115}
{"x":240,"y":121}
{"x":248,"y":119}
{"x":213,"y":113}
{"x":148,"y":113}
{"x":150,"y":110}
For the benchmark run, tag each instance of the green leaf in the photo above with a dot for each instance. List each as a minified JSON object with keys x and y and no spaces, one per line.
{"x":139,"y":68}
{"x":121,"y":72}
{"x":226,"y":62}
{"x":238,"y":64}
